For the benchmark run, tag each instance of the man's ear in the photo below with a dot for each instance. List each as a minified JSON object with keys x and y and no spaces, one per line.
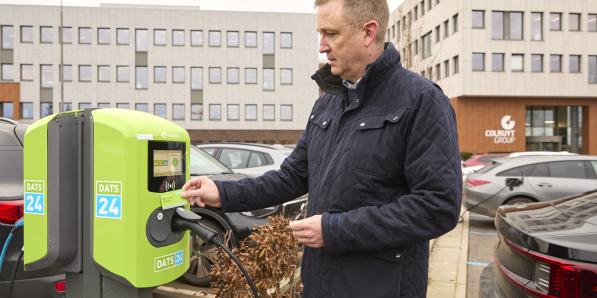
{"x":370,"y":29}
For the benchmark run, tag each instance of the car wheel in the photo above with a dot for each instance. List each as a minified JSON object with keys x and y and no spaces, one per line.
{"x":202,"y":256}
{"x":519,"y":201}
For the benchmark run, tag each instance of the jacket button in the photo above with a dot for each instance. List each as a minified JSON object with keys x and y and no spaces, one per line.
{"x":362,"y":124}
{"x":395,"y":118}
{"x":312,"y":116}
{"x":324,"y":123}
{"x":357,"y":100}
{"x":398,"y":255}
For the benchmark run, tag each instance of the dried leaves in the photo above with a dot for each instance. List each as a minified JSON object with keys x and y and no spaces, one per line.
{"x":269,"y":255}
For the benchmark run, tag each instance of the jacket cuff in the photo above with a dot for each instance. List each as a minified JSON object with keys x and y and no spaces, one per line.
{"x":226,"y":201}
{"x":330,"y":223}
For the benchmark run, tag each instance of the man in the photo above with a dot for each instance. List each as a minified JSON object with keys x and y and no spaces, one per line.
{"x":379,"y":158}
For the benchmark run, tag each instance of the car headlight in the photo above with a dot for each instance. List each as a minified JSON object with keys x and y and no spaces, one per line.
{"x":261,"y":212}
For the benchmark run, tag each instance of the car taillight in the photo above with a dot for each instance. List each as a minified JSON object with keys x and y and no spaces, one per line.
{"x":11,"y":211}
{"x":555,"y":277}
{"x":60,"y":286}
{"x":475,"y":182}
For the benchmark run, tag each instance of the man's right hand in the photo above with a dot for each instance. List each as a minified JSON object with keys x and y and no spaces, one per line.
{"x":203,"y":191}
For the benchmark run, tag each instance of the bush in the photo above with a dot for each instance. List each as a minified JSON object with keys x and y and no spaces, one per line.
{"x":465,"y":155}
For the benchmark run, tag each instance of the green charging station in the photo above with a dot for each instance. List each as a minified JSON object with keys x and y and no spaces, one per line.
{"x":101,"y":191}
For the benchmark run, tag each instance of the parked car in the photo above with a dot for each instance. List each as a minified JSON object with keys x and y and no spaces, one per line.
{"x":240,"y":224}
{"x":481,"y":159}
{"x":27,"y":283}
{"x":525,"y":179}
{"x":546,"y":249}
{"x":246,"y":158}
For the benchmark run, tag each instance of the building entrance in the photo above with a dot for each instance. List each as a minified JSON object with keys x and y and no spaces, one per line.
{"x":554,"y":128}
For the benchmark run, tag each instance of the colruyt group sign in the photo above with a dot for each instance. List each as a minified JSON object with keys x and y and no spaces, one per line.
{"x":505,"y":135}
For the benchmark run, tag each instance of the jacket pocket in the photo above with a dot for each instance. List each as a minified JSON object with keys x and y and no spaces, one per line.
{"x":373,"y":144}
{"x":321,"y":120}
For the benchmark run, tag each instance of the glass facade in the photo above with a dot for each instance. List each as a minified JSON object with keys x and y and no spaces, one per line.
{"x":554,"y":128}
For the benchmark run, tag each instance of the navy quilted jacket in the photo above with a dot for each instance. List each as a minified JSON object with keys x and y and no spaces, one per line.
{"x":381,"y":164}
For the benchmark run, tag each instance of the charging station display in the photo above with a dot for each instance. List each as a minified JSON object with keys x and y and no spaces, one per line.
{"x":167,"y":163}
{"x":166,"y":166}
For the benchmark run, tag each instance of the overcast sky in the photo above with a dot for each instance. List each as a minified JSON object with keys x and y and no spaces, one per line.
{"x":242,"y":5}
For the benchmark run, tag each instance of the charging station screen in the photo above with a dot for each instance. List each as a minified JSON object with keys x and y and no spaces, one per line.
{"x":167,"y":163}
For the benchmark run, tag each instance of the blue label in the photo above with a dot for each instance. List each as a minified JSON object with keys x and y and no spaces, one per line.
{"x":34,"y":203}
{"x":178,"y":258}
{"x":108,"y":206}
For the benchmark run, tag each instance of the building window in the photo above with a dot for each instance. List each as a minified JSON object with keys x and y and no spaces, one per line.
{"x":574,"y":24}
{"x":26,"y":110}
{"x":497,"y":62}
{"x":455,"y":64}
{"x":67,"y":35}
{"x":415,"y":14}
{"x":122,"y":73}
{"x":438,"y":72}
{"x":178,"y":37}
{"x":177,"y":74}
{"x":7,"y":72}
{"x":478,"y":61}
{"x":84,"y":73}
{"x":47,"y":77}
{"x":446,"y":68}
{"x":269,"y":112}
{"x":215,"y":112}
{"x":232,"y":39}
{"x":536,"y":63}
{"x":517,"y":62}
{"x":215,"y":75}
{"x":103,"y":73}
{"x":141,"y":81}
{"x":592,"y":22}
{"x":159,"y":74}
{"x":286,"y":76}
{"x":159,"y":37}
{"x":6,"y":110}
{"x":251,"y":112}
{"x":122,"y":36}
{"x":84,"y":105}
{"x":478,"y":19}
{"x":45,"y":34}
{"x":196,"y":38}
{"x":416,"y":46}
{"x":437,"y":34}
{"x":196,"y":78}
{"x":268,"y":42}
{"x":232,"y":75}
{"x":122,"y":105}
{"x":286,"y":40}
{"x":507,"y":25}
{"x":285,"y":112}
{"x":142,"y":107}
{"x":426,"y":45}
{"x":26,"y":34}
{"x":196,"y":111}
{"x":574,"y":63}
{"x":455,"y":23}
{"x":592,"y":69}
{"x":215,"y":38}
{"x":268,"y":79}
{"x":250,"y":39}
{"x":446,"y":29}
{"x":103,"y":35}
{"x":84,"y":35}
{"x":160,"y":109}
{"x":233,"y":112}
{"x":536,"y":26}
{"x":67,"y":74}
{"x":26,"y":72}
{"x":250,"y":75}
{"x":555,"y":23}
{"x":141,"y":40}
{"x":103,"y":105}
{"x":68,"y":106}
{"x":45,"y":109}
{"x":555,"y":63}
{"x":178,"y":112}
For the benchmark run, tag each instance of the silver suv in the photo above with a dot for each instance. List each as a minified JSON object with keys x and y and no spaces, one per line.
{"x":524,"y":179}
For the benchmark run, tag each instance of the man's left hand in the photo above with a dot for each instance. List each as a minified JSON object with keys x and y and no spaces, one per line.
{"x":308,"y":231}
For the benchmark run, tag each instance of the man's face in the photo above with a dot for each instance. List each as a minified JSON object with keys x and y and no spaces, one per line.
{"x":343,"y":43}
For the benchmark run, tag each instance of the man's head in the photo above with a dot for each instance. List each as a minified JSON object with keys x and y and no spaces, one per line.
{"x":352,"y":34}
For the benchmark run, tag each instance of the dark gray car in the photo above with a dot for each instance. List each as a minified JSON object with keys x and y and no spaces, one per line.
{"x":524,"y":179}
{"x":26,"y":284}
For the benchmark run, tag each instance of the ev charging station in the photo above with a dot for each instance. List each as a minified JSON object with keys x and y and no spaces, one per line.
{"x":102,"y":199}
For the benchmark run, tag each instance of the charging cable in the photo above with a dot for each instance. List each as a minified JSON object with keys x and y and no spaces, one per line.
{"x":18,"y":224}
{"x":187,"y":221}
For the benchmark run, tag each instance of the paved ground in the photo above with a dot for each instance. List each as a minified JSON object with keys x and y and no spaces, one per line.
{"x":482,"y":240}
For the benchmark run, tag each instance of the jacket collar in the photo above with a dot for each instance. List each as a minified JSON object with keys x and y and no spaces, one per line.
{"x":330,"y":83}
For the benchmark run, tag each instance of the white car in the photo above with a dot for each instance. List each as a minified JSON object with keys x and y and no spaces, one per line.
{"x":248,"y":158}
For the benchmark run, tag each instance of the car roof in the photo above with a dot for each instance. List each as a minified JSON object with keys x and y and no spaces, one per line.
{"x":530,"y":159}
{"x":276,"y":147}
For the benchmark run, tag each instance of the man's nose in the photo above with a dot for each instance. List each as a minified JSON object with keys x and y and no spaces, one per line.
{"x":323,"y":46}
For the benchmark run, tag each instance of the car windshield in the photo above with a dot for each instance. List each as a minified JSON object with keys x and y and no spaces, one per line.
{"x":204,"y":164}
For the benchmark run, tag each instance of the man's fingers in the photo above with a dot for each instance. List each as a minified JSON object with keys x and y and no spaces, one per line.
{"x":191,"y":184}
{"x":190,"y":193}
{"x":297,"y":225}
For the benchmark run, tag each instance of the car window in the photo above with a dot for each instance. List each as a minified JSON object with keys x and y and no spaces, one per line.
{"x":540,"y":170}
{"x":257,"y":159}
{"x":488,"y":167}
{"x":488,"y":158}
{"x":211,"y":151}
{"x":518,"y":171}
{"x":204,"y":164}
{"x":594,"y":163}
{"x":235,"y":158}
{"x":568,"y":169}
{"x":11,"y":174}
